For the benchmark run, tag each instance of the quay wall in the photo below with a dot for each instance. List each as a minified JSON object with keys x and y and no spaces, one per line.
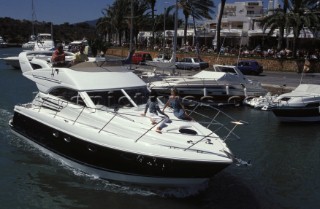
{"x":269,"y":64}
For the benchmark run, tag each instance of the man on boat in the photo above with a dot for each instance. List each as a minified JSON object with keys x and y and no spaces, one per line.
{"x":58,"y":56}
{"x":80,"y":56}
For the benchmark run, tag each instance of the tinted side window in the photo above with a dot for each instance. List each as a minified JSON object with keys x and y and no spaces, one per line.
{"x":68,"y":95}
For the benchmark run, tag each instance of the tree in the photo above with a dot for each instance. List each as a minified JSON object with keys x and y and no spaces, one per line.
{"x":295,"y":16}
{"x":301,"y":16}
{"x":199,"y":9}
{"x":117,"y":18}
{"x":222,"y":4}
{"x":276,"y":21}
{"x":152,"y":4}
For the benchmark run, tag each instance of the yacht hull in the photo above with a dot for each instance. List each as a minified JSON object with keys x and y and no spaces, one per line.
{"x":110,"y":163}
{"x":297,"y":114}
{"x":203,"y":93}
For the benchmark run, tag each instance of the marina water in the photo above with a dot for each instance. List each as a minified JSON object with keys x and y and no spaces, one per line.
{"x":284,"y":173}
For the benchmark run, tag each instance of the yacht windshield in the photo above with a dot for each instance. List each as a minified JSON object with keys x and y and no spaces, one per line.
{"x":225,"y":69}
{"x":120,"y":97}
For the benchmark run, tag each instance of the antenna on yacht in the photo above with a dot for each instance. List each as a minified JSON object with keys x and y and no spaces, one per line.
{"x":239,"y":49}
{"x":195,"y":32}
{"x":219,"y":53}
{"x":34,"y":17}
{"x":174,"y":53}
{"x":131,"y":31}
{"x":306,"y":68}
{"x":51,"y":31}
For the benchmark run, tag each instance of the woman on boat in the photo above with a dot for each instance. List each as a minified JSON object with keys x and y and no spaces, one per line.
{"x":154,"y":109}
{"x":178,"y":108}
{"x":58,"y":57}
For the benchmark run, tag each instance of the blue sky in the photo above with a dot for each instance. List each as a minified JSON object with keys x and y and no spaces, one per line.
{"x":72,"y":11}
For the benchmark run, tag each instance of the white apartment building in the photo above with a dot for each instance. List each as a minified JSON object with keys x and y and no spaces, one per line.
{"x":239,"y":21}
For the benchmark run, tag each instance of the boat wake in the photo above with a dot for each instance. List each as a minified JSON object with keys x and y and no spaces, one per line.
{"x":5,"y":115}
{"x":134,"y":189}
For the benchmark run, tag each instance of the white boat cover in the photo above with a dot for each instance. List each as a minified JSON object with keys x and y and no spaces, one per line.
{"x":307,"y":88}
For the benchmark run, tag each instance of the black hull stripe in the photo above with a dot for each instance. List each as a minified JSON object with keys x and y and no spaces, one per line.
{"x":107,"y":159}
{"x":296,"y":112}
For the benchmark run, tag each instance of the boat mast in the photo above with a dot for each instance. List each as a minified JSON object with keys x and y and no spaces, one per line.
{"x":34,"y":17}
{"x":131,"y":31}
{"x":174,"y":53}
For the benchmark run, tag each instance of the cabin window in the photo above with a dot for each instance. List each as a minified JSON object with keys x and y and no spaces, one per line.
{"x":227,"y":70}
{"x":116,"y":98}
{"x":285,"y":99}
{"x":68,"y":95}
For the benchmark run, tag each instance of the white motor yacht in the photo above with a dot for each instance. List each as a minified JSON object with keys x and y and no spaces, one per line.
{"x":43,"y":55}
{"x":300,"y":105}
{"x":42,"y":48}
{"x":2,"y":43}
{"x":89,"y":116}
{"x":44,"y":42}
{"x":30,"y":44}
{"x":222,"y":84}
{"x":163,"y":62}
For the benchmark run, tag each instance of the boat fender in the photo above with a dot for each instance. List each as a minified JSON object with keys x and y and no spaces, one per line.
{"x":234,"y":98}
{"x":245,"y":91}
{"x":189,"y":101}
{"x":204,"y":92}
{"x":206,"y":99}
{"x":227,"y":90}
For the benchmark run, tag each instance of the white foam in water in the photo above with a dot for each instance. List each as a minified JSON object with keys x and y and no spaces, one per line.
{"x":5,"y":116}
{"x":101,"y":184}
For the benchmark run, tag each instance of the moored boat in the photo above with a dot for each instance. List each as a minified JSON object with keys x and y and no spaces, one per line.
{"x":90,"y":117}
{"x":42,"y":54}
{"x":300,"y":105}
{"x":222,"y":84}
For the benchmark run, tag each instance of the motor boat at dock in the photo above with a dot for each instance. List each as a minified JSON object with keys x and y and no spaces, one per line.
{"x":43,"y":55}
{"x":222,"y":84}
{"x":89,"y":116}
{"x":300,"y":105}
{"x":3,"y":44}
{"x":42,"y":48}
{"x":262,"y":102}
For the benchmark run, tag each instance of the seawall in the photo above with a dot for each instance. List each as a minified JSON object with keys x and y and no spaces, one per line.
{"x":269,"y":64}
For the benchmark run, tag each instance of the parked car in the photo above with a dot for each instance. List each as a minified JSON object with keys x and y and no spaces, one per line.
{"x":189,"y":63}
{"x":139,"y":58}
{"x":249,"y":67}
{"x":162,"y":58}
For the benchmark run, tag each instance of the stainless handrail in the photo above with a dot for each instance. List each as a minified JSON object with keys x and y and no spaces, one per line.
{"x":212,"y":121}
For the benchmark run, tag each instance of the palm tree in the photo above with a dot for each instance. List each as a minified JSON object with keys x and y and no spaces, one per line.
{"x":104,"y":26}
{"x":152,"y":4}
{"x":117,"y":13}
{"x":141,"y":19}
{"x":117,"y":17}
{"x":222,"y":4}
{"x":276,"y":21}
{"x":295,"y":16}
{"x":199,"y":9}
{"x":301,"y":17}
